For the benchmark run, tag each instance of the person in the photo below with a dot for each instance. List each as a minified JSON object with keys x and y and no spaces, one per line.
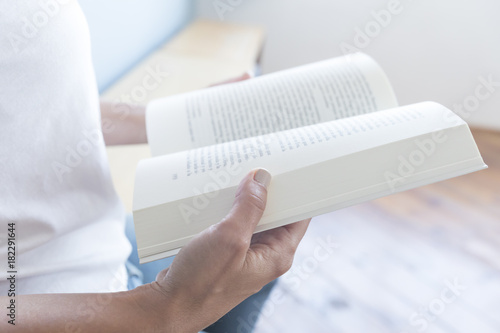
{"x":69,"y":270}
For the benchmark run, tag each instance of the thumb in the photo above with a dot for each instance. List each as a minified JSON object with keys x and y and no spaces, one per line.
{"x":249,"y":203}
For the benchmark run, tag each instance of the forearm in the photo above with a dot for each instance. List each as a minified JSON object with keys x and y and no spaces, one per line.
{"x":123,"y":123}
{"x":218,"y":269}
{"x":143,"y":309}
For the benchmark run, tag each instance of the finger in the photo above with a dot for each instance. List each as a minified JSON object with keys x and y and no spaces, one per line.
{"x":272,"y":251}
{"x":297,"y":231}
{"x":249,"y":204}
{"x":283,"y":239}
{"x":242,"y":77}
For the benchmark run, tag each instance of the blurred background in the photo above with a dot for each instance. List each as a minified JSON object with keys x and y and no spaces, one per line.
{"x":425,"y":260}
{"x":431,"y":50}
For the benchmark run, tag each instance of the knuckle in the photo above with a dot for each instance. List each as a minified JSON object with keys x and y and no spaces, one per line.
{"x":255,"y":290}
{"x":237,"y":244}
{"x":290,"y":251}
{"x":283,"y":265}
{"x":223,"y":230}
{"x":230,"y":237}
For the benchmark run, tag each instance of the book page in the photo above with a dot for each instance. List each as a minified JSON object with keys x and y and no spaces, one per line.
{"x":278,"y":152}
{"x":320,"y":92}
{"x":315,"y":169}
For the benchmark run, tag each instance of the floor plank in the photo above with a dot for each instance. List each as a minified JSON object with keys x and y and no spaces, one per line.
{"x":394,"y":259}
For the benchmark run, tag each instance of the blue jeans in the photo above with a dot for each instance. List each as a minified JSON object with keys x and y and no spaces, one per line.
{"x":241,"y":319}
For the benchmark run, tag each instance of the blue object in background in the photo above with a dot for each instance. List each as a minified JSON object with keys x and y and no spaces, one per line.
{"x":123,"y":32}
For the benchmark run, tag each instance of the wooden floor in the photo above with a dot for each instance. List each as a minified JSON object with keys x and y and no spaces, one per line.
{"x":392,"y":261}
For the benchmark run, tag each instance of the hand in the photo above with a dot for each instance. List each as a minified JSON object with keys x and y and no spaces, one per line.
{"x":227,"y":263}
{"x":125,"y":123}
{"x":213,"y":273}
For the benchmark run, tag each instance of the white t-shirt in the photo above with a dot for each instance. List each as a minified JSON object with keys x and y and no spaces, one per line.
{"x":55,"y":183}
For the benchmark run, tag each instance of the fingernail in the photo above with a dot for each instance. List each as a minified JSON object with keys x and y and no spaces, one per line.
{"x":263,"y":177}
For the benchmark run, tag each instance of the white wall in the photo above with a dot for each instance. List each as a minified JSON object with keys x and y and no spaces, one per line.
{"x":125,"y":31}
{"x":433,"y":50}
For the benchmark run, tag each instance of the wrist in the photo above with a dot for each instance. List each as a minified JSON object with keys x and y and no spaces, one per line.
{"x":159,"y":312}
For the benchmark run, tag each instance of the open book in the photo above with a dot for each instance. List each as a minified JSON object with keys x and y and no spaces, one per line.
{"x":330,"y":133}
